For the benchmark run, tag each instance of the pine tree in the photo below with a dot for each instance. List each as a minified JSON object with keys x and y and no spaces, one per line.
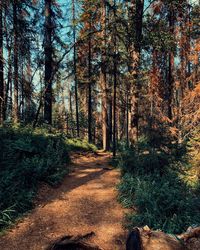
{"x":48,"y":61}
{"x":2,"y":97}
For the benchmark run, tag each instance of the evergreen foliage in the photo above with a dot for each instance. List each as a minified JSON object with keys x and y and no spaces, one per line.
{"x":155,"y":185}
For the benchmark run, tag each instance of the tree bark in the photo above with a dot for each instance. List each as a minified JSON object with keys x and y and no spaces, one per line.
{"x":103,"y":79}
{"x":135,"y":53}
{"x":171,"y":66}
{"x":75,"y":70}
{"x":71,"y":110}
{"x":8,"y":84}
{"x":138,"y":29}
{"x":110,"y":118}
{"x":48,"y":62}
{"x":28,"y":87}
{"x":2,"y":98}
{"x":89,"y":88}
{"x":127,"y":118}
{"x":16,"y":66}
{"x":115,"y":84}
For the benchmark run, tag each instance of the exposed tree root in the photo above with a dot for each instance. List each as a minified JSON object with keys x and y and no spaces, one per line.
{"x":74,"y":243}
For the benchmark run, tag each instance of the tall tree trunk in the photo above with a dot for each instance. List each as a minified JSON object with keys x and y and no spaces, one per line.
{"x":89,"y":88}
{"x":8,"y":84}
{"x":115,"y":84}
{"x":22,"y":102}
{"x":16,"y":66}
{"x":136,"y":54}
{"x":28,"y":87}
{"x":184,"y":52}
{"x":189,"y":68}
{"x":110,"y":122}
{"x":138,"y":30}
{"x":2,"y":98}
{"x":171,"y":66}
{"x":71,"y":110}
{"x":75,"y":69}
{"x":103,"y":79}
{"x":48,"y":62}
{"x":127,"y":118}
{"x":170,"y":83}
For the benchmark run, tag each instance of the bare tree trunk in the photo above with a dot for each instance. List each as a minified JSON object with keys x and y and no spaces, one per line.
{"x":75,"y":69}
{"x":22,"y":102}
{"x":16,"y":66}
{"x":170,"y":67}
{"x":71,"y":110}
{"x":48,"y":62}
{"x":110,"y":119}
{"x":127,"y":118}
{"x":136,"y":51}
{"x":64,"y":113}
{"x":8,"y":84}
{"x":188,"y":42}
{"x":115,"y":84}
{"x":28,"y":87}
{"x":170,"y":83}
{"x":2,"y":98}
{"x":89,"y":89}
{"x":103,"y":79}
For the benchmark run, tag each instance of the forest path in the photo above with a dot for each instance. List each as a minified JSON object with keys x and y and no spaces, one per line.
{"x":86,"y":201}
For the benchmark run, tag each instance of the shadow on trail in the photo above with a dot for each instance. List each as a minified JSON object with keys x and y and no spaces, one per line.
{"x":82,"y":173}
{"x":84,"y":203}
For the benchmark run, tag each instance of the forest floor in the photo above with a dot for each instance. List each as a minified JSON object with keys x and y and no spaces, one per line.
{"x":85,"y":202}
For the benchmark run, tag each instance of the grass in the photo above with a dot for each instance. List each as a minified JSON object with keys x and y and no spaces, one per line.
{"x":29,"y":157}
{"x":156,"y":185}
{"x":75,"y":144}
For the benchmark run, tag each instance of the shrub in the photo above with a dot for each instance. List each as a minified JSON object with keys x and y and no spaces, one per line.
{"x":144,"y":161}
{"x":75,"y":144}
{"x":27,"y":158}
{"x":154,"y":184}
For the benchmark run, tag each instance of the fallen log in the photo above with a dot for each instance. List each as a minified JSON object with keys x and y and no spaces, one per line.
{"x":191,"y":238}
{"x":70,"y":242}
{"x":147,"y":239}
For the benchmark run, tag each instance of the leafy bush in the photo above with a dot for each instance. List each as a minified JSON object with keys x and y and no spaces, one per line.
{"x":145,"y":161}
{"x":75,"y":144}
{"x":153,"y":183}
{"x":27,"y":157}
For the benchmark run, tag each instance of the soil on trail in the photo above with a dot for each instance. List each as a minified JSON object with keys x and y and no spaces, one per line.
{"x":85,"y":202}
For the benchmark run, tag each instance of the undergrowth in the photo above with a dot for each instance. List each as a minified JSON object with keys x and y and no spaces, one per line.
{"x":155,"y":185}
{"x":75,"y":144}
{"x":27,"y":158}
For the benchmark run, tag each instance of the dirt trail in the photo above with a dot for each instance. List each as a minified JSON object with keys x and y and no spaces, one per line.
{"x":85,"y":202}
